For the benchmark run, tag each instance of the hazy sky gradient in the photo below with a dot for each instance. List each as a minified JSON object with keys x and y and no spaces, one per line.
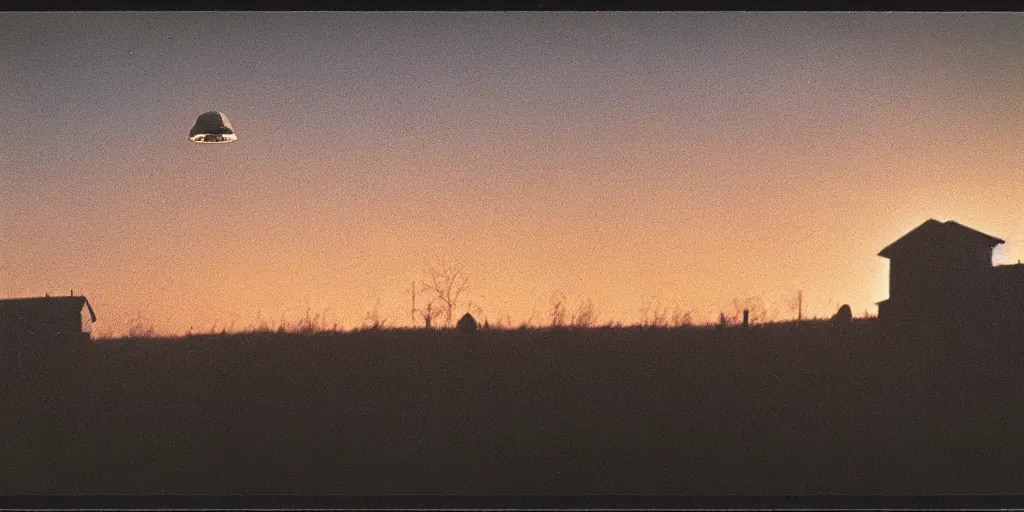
{"x":688,"y":157}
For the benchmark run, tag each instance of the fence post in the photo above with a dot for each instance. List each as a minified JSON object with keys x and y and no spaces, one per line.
{"x":746,"y":318}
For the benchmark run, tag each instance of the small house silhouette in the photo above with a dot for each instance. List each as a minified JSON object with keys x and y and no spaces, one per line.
{"x":46,"y":318}
{"x":941,"y":275}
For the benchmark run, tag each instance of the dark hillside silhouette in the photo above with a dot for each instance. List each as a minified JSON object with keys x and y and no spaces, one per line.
{"x":773,"y":409}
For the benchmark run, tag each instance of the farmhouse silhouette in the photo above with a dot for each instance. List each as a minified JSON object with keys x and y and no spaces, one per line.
{"x":941,"y":276}
{"x":46,"y":318}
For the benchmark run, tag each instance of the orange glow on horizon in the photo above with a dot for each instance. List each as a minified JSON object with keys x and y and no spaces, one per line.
{"x":684,"y":160}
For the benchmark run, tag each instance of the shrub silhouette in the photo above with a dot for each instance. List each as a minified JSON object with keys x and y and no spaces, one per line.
{"x":447,"y":286}
{"x":467,"y":324}
{"x":844,"y":316}
{"x":140,"y":328}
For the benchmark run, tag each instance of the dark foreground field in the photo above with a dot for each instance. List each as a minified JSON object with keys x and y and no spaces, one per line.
{"x":776,"y":410}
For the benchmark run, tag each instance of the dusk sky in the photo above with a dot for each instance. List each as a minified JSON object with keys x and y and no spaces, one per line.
{"x":686,"y":158}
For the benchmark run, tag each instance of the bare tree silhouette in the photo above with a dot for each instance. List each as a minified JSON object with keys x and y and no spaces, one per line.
{"x":446,"y":285}
{"x":429,"y":312}
{"x":797,"y":306}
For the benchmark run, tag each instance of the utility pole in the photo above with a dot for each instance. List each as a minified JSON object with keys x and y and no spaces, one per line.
{"x":799,"y":306}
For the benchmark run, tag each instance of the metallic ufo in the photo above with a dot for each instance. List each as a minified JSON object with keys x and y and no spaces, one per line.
{"x":212,"y":127}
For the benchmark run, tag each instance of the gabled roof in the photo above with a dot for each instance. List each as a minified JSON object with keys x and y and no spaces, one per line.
{"x":45,"y":306}
{"x":934,"y":233}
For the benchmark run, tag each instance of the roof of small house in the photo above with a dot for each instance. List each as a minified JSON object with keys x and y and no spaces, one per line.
{"x":934,"y":233}
{"x":44,"y":306}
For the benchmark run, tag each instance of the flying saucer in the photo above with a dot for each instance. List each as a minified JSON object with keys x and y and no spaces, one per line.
{"x":212,"y":127}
